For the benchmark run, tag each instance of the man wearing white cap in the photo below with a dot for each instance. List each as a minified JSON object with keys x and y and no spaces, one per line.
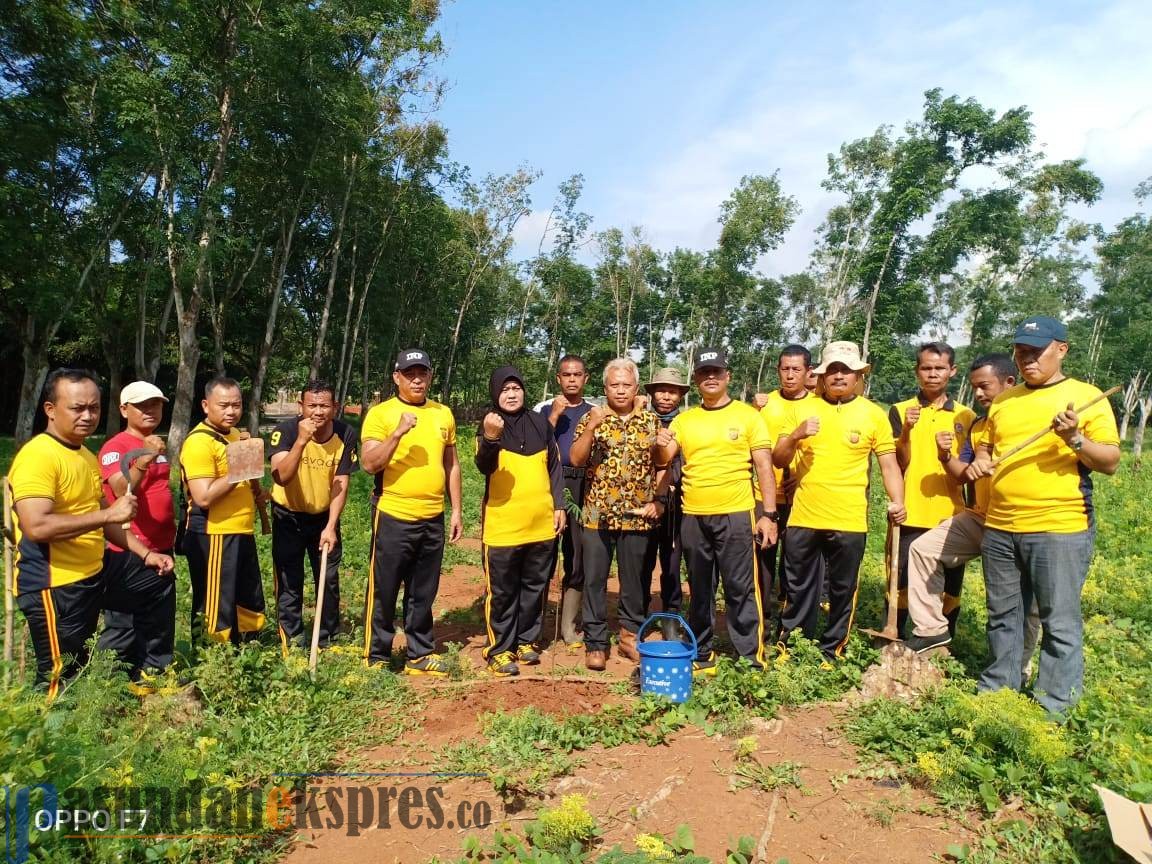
{"x":829,"y":517}
{"x":146,"y":645}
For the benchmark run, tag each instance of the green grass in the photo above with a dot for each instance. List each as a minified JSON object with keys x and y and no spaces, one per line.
{"x":258,"y":715}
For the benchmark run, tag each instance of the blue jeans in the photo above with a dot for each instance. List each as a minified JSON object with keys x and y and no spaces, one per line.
{"x":1050,"y":568}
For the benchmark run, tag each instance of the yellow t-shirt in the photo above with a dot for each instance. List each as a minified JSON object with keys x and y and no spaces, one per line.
{"x":781,"y":417}
{"x":930,"y":495}
{"x":716,"y":445}
{"x":832,"y":465}
{"x":518,"y":504}
{"x":977,"y":434}
{"x":69,"y":476}
{"x":1044,"y":487}
{"x":310,"y":491}
{"x":204,"y":457}
{"x":413,"y":486}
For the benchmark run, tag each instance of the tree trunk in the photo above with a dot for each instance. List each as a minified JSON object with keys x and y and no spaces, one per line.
{"x":874,"y":297}
{"x":1145,"y":406}
{"x":277,"y":288}
{"x":322,"y":335}
{"x":35,"y":354}
{"x":189,"y":345}
{"x":365,"y":394}
{"x":112,"y":421}
{"x":346,"y":335}
{"x":1125,"y":419}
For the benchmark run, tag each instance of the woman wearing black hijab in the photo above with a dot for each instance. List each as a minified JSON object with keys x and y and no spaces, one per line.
{"x":522,"y":514}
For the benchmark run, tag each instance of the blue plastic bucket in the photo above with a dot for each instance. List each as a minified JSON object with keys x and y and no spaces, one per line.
{"x":666,"y":667}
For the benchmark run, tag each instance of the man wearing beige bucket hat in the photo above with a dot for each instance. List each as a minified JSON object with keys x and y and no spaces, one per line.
{"x":666,"y":391}
{"x":829,"y":517}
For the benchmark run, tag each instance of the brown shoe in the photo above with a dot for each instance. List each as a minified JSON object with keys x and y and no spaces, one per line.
{"x":597,"y":661}
{"x":626,"y":647}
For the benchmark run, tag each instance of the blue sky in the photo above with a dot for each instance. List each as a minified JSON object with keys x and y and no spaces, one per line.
{"x":663,"y":106}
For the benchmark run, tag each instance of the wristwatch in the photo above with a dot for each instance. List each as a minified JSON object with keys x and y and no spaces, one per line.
{"x":771,"y":515}
{"x":1077,"y":443}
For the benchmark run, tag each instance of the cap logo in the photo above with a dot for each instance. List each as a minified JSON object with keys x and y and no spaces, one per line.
{"x":413,"y":355}
{"x":709,"y":355}
{"x":1031,"y":325}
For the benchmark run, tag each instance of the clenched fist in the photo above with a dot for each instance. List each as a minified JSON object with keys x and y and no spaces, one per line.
{"x":944,"y":442}
{"x":912,"y":416}
{"x":493,"y":426}
{"x":639,"y":402}
{"x":807,"y":429}
{"x":760,"y":400}
{"x":407,"y":422}
{"x":122,"y":510}
{"x":595,"y":417}
{"x":664,"y":437}
{"x":558,"y":405}
{"x":155,"y":442}
{"x":306,"y":429}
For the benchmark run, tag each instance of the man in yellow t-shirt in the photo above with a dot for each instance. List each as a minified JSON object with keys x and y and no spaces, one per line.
{"x":312,"y":456}
{"x":723,"y":444}
{"x":1040,"y":527}
{"x":411,"y":440}
{"x":829,"y":517}
{"x":223,"y":566}
{"x":780,"y":410}
{"x":957,"y":539}
{"x":62,"y":577}
{"x":930,"y":493}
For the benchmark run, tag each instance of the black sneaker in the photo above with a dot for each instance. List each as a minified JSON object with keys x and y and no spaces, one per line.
{"x":920,"y":644}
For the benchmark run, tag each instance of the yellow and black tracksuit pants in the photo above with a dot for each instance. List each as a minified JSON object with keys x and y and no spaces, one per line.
{"x":571,"y":544}
{"x":61,"y":621}
{"x":809,"y":554}
{"x":724,"y":544}
{"x":953,"y":585}
{"x":629,"y":548}
{"x":295,"y":535}
{"x":516,"y":583}
{"x":139,"y":614}
{"x":407,"y":554}
{"x":227,"y":594}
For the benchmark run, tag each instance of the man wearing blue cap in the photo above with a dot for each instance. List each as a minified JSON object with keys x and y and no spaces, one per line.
{"x":1040,"y":526}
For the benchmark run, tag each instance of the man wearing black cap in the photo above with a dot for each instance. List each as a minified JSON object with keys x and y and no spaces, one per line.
{"x":1040,"y":526}
{"x":723,"y":442}
{"x":522,"y":513}
{"x":412,"y":441}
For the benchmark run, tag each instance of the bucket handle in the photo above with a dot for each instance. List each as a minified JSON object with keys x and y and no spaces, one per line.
{"x":655,"y":616}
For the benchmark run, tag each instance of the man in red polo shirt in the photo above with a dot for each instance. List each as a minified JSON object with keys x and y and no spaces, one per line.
{"x":144,"y":645}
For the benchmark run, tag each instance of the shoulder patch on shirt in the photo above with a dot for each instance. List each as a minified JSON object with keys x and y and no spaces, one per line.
{"x":110,"y":458}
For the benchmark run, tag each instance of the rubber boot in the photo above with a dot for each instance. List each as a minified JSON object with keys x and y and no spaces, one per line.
{"x":569,"y":612}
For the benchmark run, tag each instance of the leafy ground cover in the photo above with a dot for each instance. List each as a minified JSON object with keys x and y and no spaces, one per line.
{"x":252,"y":716}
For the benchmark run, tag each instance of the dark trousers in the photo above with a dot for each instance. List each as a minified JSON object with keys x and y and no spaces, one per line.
{"x":629,"y":549}
{"x":516,"y":581}
{"x":953,"y":585}
{"x":295,"y":535}
{"x":808,"y":553}
{"x":227,"y":594}
{"x":664,"y":547}
{"x":770,"y":564}
{"x":139,"y":614}
{"x":724,"y":546}
{"x":408,"y":555}
{"x":571,"y":546}
{"x":60,"y":622}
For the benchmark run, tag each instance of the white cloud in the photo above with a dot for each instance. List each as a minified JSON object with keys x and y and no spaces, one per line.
{"x":1085,"y":81}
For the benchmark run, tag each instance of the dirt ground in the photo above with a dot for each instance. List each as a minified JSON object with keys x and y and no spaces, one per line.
{"x":838,"y":814}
